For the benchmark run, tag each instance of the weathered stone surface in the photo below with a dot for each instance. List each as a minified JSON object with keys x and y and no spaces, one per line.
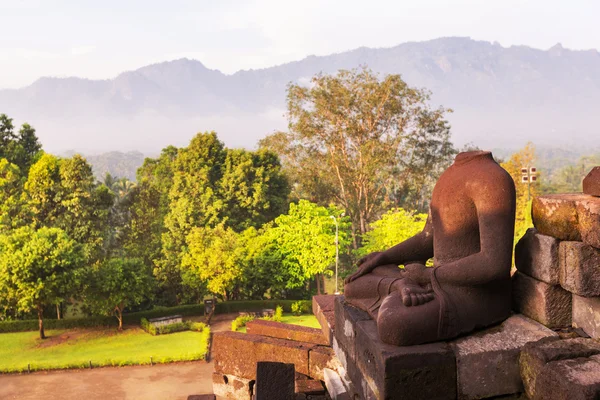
{"x":274,"y":381}
{"x":535,"y":356}
{"x":228,"y":386}
{"x":346,"y":318}
{"x":580,"y":268}
{"x":586,"y":315}
{"x":536,"y":255}
{"x":409,"y":372}
{"x":574,"y":379}
{"x":237,"y":353}
{"x":548,"y":304}
{"x":280,"y":330}
{"x":201,"y":397}
{"x":591,"y":183}
{"x":573,"y":217}
{"x":487,"y":361}
{"x":310,"y":387}
{"x":335,"y":385}
{"x":323,"y":308}
{"x":319,"y":358}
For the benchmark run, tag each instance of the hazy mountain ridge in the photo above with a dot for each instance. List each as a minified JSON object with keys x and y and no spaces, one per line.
{"x":502,"y":97}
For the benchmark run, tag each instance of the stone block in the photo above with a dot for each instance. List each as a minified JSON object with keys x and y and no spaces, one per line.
{"x":573,"y":217}
{"x":237,"y":353}
{"x":228,"y":386}
{"x":323,"y":308}
{"x":488,"y":361}
{"x":310,"y":387}
{"x":586,"y":315}
{"x":591,"y":183}
{"x":275,"y":381}
{"x":548,"y":304}
{"x":346,"y":318}
{"x":319,"y":358}
{"x":536,"y":255}
{"x":402,"y":372}
{"x":280,"y":330}
{"x":201,"y":397}
{"x":335,"y":386}
{"x":580,"y":268}
{"x":574,"y":379}
{"x":535,"y":356}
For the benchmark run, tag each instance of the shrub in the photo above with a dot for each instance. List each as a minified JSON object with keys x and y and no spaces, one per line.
{"x":197,"y":326}
{"x":172,"y":328}
{"x":148,"y":327}
{"x":241,"y":321}
{"x":301,"y":307}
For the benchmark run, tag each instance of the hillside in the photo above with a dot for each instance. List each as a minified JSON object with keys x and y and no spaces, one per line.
{"x":501,"y":97}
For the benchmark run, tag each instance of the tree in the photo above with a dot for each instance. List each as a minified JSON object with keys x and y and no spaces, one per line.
{"x":38,"y":268}
{"x":21,"y":149}
{"x":212,"y":257}
{"x":11,"y":188}
{"x":304,"y":240}
{"x":394,"y":227}
{"x":116,"y":284}
{"x":362,"y":143}
{"x":524,"y":158}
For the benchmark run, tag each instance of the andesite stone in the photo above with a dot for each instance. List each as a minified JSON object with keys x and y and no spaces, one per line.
{"x":229,"y":386}
{"x":573,"y":379}
{"x":274,"y":381}
{"x":570,"y":216}
{"x":549,"y":305}
{"x":319,"y":358}
{"x":323,"y":309}
{"x":310,"y":387}
{"x":280,"y":330}
{"x":586,"y":315}
{"x":237,"y":353}
{"x":487,"y":361}
{"x":580,"y":268}
{"x":591,"y":183}
{"x":536,"y":255}
{"x":346,"y":318}
{"x":535,"y":356}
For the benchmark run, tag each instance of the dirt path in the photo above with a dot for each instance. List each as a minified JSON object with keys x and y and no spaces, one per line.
{"x":161,"y":381}
{"x":165,"y":381}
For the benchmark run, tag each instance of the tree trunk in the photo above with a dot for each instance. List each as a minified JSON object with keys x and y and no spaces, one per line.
{"x":120,"y":318}
{"x":58,"y":311}
{"x":41,"y":324}
{"x":318,"y":276}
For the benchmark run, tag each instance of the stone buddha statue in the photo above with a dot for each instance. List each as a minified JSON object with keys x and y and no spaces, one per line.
{"x":469,"y":234}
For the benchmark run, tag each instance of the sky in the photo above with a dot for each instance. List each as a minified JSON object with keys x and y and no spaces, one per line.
{"x":100,"y":39}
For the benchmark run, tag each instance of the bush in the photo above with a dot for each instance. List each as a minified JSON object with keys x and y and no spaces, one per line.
{"x":172,"y":328}
{"x":197,"y":326}
{"x":301,"y":307}
{"x":241,"y":321}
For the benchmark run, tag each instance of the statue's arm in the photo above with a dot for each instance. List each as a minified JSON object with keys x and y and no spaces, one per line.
{"x":418,"y":248}
{"x":495,"y":204}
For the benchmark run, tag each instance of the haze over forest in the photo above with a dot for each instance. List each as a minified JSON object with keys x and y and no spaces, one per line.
{"x":501,"y":97}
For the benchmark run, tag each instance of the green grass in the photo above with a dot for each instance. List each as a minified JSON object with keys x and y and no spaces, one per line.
{"x":303,"y":320}
{"x":104,"y":347}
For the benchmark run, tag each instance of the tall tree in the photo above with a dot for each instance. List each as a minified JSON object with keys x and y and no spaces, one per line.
{"x":38,"y":268}
{"x":359,"y":141}
{"x":12,"y":212}
{"x":117,"y":283}
{"x":22,"y":149}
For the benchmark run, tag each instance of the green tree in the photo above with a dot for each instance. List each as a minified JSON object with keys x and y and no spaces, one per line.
{"x":394,"y":227}
{"x":305,"y":242}
{"x":363,"y":144}
{"x":116,"y":284}
{"x":11,"y":187}
{"x":38,"y":268}
{"x":22,"y":149}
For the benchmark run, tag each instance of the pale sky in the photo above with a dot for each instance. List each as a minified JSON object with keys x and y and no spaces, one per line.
{"x":99,"y":39}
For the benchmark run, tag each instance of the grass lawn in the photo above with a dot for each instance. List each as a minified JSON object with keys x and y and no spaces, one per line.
{"x":76,"y":347}
{"x":303,"y":320}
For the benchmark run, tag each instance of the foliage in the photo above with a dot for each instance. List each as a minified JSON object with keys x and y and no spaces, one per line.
{"x":525,"y":158}
{"x":301,"y":307}
{"x":116,"y":284}
{"x":394,"y":227}
{"x":21,"y":149}
{"x":103,"y":348}
{"x":241,"y":321}
{"x":363,"y":143}
{"x":11,"y":202}
{"x":38,"y":268}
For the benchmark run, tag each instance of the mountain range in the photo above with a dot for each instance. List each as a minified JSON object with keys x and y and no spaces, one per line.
{"x":502,"y":97}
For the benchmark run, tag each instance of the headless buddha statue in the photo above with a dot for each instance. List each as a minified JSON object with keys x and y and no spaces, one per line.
{"x":469,"y":234}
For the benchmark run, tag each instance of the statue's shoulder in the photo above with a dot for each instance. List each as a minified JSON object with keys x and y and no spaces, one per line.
{"x":493,"y":178}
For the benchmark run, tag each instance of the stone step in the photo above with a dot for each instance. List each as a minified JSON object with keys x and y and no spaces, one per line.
{"x":536,"y":255}
{"x":280,"y":330}
{"x":579,"y":268}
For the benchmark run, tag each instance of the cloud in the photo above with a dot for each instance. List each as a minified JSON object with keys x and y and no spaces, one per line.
{"x":82,"y":50}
